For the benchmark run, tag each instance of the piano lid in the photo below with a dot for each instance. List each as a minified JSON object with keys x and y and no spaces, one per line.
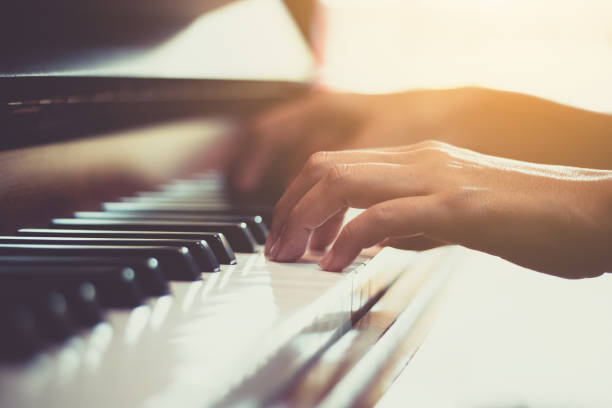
{"x":246,"y":39}
{"x":73,"y":68}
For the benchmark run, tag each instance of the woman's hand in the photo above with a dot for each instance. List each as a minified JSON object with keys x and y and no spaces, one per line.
{"x":553,"y":219}
{"x":493,"y":122}
{"x":291,"y":132}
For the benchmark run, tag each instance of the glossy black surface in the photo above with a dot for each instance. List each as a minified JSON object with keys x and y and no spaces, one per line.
{"x":114,"y":286}
{"x":176,"y":263}
{"x":148,"y":271}
{"x":199,"y":249}
{"x":255,"y":222}
{"x":193,"y":206}
{"x":21,"y":336}
{"x":217,"y":241}
{"x":238,"y":233}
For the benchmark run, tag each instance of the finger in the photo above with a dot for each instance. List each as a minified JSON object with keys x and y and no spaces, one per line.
{"x":354,"y":185}
{"x":405,"y":216}
{"x":414,"y":243}
{"x":317,"y":167}
{"x":326,"y":233}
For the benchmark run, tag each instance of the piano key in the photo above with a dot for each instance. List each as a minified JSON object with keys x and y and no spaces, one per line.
{"x":115,"y":285}
{"x":237,"y":233}
{"x":162,"y":197}
{"x":51,"y":313}
{"x":148,"y":271}
{"x":199,"y":249}
{"x":176,"y":263}
{"x":84,"y":305}
{"x":20,"y":335}
{"x":255,"y":222}
{"x":191,"y":207}
{"x":80,"y":295}
{"x":217,"y":241}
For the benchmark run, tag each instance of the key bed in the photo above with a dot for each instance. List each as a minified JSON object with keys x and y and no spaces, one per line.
{"x":114,"y":259}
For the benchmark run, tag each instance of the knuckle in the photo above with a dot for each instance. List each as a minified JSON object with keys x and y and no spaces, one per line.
{"x":457,"y":201}
{"x":428,"y":144}
{"x":433,"y":144}
{"x":437,"y":155}
{"x":317,"y":161}
{"x":380,"y":214}
{"x":336,"y":174}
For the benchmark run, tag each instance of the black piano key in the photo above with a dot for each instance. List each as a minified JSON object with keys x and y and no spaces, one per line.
{"x":237,"y":233}
{"x":84,"y":305}
{"x":167,"y":198}
{"x":176,"y":263}
{"x":217,"y":242}
{"x":200,"y":250}
{"x":115,"y":286}
{"x":81,"y":296}
{"x":191,"y":207}
{"x":148,"y":271}
{"x":50,"y":313}
{"x":20,"y":337}
{"x":255,"y":222}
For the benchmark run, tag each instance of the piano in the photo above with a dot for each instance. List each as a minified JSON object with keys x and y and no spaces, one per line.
{"x":131,"y":275}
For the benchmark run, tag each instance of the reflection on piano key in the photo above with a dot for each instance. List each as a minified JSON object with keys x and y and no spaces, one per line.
{"x":160,"y":309}
{"x":238,"y":233}
{"x":148,"y":271}
{"x":114,"y":286}
{"x":217,"y":241}
{"x":190,"y":206}
{"x":176,"y":263}
{"x":255,"y":222}
{"x":199,"y":249}
{"x":137,"y":322}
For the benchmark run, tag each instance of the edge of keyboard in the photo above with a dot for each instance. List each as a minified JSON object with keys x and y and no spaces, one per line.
{"x":204,"y":345}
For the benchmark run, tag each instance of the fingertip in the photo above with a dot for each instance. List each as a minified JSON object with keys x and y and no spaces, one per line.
{"x":333,"y":262}
{"x":274,"y":249}
{"x":270,"y":243}
{"x":325,"y":261}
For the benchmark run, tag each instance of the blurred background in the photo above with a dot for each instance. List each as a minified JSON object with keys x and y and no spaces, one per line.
{"x":561,"y":50}
{"x":507,"y":337}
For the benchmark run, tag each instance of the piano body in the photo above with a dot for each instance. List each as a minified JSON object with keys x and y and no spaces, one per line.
{"x":149,"y":287}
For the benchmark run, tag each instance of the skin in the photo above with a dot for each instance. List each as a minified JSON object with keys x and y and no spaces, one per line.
{"x":493,"y":122}
{"x":550,"y":218}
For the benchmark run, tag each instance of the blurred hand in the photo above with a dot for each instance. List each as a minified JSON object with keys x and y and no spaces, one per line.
{"x":329,"y":121}
{"x":553,"y":219}
{"x":494,"y":122}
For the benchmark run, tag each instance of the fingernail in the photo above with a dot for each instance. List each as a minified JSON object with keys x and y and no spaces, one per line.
{"x":326,"y":261}
{"x":269,"y":245}
{"x":274,"y":251}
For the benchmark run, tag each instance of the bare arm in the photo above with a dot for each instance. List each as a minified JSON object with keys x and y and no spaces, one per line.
{"x":527,"y":128}
{"x":554,"y":219}
{"x":493,"y":122}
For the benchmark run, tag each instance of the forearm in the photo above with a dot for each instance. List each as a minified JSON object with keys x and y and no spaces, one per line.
{"x":527,"y":128}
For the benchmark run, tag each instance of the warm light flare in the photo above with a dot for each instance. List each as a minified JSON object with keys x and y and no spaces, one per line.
{"x":556,"y":49}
